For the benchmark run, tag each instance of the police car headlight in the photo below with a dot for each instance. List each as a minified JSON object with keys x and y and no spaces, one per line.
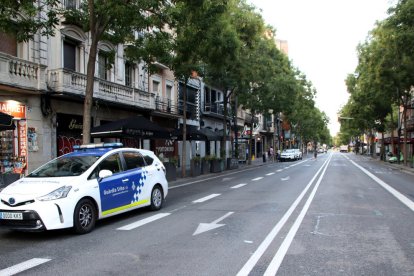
{"x":62,"y":192}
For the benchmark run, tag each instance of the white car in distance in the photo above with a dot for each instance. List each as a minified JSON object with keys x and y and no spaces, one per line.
{"x":290,"y":155}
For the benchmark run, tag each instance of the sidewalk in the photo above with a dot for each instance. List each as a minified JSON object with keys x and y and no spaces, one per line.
{"x":242,"y":166}
{"x":395,"y":166}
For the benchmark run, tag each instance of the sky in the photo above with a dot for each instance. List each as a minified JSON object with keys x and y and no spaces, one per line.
{"x":322,"y":37}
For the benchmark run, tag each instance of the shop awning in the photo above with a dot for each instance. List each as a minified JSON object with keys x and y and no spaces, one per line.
{"x":210,"y":134}
{"x":6,"y":122}
{"x":193,"y":134}
{"x":138,"y":126}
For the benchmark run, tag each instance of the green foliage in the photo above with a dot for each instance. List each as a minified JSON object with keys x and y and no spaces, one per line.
{"x":22,"y":18}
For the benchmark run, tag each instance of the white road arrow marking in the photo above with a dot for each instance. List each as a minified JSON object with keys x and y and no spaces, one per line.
{"x":204,"y":227}
{"x":285,"y":178}
{"x":23,"y":266}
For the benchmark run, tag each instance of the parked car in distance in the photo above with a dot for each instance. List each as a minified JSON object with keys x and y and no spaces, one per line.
{"x":290,"y":155}
{"x":298,"y":154}
{"x":75,"y":190}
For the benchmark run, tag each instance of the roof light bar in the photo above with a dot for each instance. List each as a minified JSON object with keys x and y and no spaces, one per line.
{"x":98,"y":145}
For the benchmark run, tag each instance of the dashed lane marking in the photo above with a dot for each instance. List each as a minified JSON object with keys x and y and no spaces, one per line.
{"x":143,"y":221}
{"x":239,"y":186}
{"x":205,"y":198}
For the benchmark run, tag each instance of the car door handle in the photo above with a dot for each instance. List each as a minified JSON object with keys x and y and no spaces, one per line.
{"x":125,"y":180}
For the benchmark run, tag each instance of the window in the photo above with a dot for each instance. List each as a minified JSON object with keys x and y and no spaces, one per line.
{"x":207,"y":96}
{"x":129,"y":74}
{"x":213,"y":96}
{"x":133,"y":160}
{"x":148,"y":160}
{"x":155,"y":86}
{"x":71,"y":4}
{"x":102,"y":65}
{"x":169,"y":92}
{"x":112,"y":163}
{"x":8,"y":44}
{"x":69,"y":55}
{"x":191,"y":93}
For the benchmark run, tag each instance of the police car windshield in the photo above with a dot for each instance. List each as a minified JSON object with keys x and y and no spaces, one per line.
{"x":67,"y":165}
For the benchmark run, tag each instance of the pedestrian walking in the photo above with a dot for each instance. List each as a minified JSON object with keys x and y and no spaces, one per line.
{"x":271,"y":154}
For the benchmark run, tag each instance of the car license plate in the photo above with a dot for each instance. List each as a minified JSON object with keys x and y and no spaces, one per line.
{"x":8,"y":215}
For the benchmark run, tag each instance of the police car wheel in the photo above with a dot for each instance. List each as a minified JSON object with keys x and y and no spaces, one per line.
{"x":157,"y":198}
{"x":84,"y":217}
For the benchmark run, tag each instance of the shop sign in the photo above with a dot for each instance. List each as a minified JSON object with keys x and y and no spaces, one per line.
{"x":165,"y":148}
{"x":22,"y":138}
{"x":72,"y":123}
{"x":14,"y":109}
{"x":20,"y":163}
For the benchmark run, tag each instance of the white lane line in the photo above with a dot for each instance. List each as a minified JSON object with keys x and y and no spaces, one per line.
{"x":239,"y":186}
{"x":270,"y":174}
{"x":257,"y":178}
{"x":279,"y":170}
{"x":205,"y":198}
{"x":143,"y":221}
{"x":209,"y":178}
{"x":23,"y":266}
{"x":405,"y":200}
{"x":254,"y":258}
{"x":280,"y":254}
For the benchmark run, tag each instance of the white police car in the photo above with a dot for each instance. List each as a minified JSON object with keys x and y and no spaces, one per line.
{"x":74,"y":190}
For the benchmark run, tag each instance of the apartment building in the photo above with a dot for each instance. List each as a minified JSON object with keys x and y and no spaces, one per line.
{"x":42,"y":86}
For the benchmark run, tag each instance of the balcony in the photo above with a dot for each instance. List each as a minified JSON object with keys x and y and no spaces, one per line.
{"x":21,"y":73}
{"x":192,"y":111}
{"x":71,"y":4}
{"x":166,"y":106}
{"x":69,"y":82}
{"x":214,"y":108}
{"x":217,"y":110}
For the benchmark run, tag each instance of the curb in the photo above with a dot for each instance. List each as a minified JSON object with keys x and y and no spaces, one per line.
{"x":200,"y":178}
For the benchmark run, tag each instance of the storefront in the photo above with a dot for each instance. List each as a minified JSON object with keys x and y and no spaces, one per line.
{"x":13,"y":139}
{"x":69,"y":132}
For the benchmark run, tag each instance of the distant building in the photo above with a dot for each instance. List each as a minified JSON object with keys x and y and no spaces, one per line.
{"x":283,"y":46}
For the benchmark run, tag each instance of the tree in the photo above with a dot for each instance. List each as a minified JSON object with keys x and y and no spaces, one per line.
{"x":25,"y":18}
{"x":116,"y":21}
{"x":230,"y":41}
{"x":192,"y":22}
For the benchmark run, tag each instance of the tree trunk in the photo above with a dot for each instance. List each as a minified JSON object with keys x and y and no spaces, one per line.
{"x":87,"y":107}
{"x":392,"y":132}
{"x":404,"y":115}
{"x":224,"y":139}
{"x":184,"y":146}
{"x":383,"y":157}
{"x":250,"y":141}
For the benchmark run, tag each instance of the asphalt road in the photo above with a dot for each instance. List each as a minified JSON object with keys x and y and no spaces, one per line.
{"x":340,"y":214}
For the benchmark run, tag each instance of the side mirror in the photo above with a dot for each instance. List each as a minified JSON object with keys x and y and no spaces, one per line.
{"x":104,"y":173}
